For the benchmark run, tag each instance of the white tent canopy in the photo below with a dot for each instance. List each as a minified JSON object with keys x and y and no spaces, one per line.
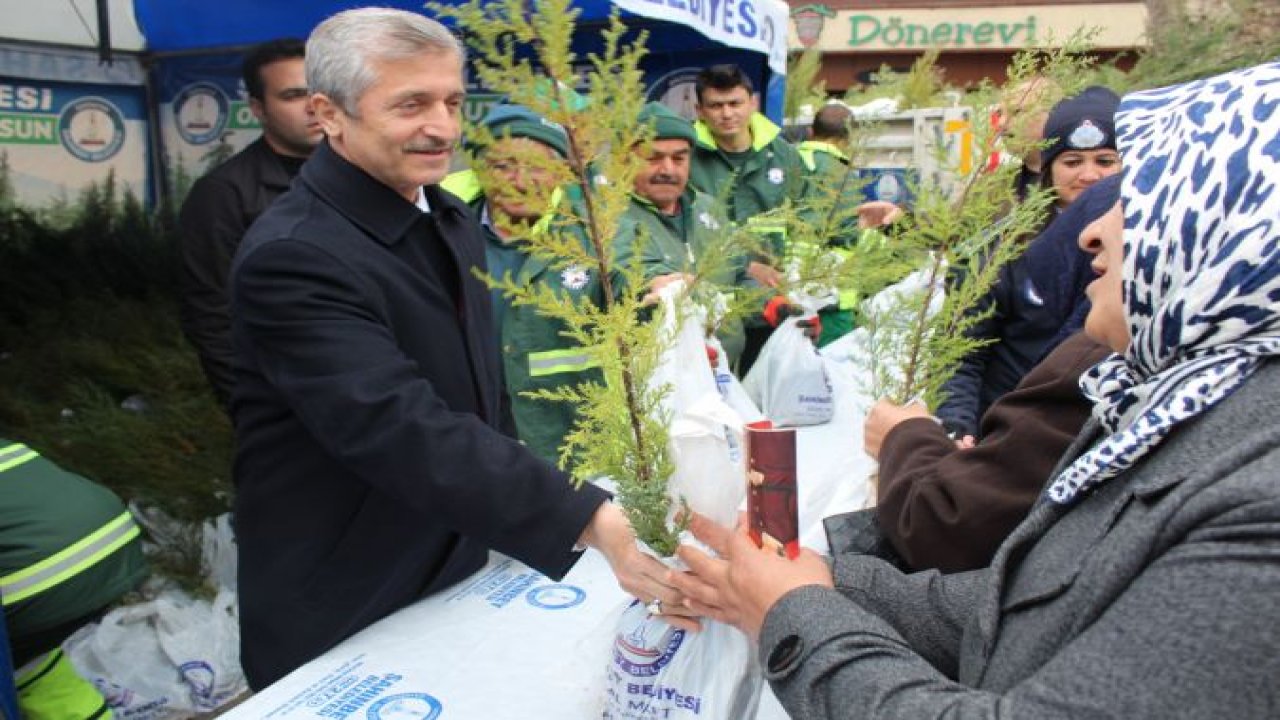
{"x":69,"y":22}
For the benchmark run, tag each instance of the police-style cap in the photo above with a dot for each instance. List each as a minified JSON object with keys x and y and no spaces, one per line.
{"x":1083,"y":122}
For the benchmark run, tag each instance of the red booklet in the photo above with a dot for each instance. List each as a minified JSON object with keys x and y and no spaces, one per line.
{"x":772,"y":505}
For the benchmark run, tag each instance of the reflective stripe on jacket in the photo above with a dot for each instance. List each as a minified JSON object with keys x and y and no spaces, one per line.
{"x":68,"y":546}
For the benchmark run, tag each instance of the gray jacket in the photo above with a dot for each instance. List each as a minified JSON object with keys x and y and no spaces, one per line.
{"x":1158,"y":596}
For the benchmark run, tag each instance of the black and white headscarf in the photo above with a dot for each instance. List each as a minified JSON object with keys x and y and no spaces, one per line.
{"x":1201,"y":200}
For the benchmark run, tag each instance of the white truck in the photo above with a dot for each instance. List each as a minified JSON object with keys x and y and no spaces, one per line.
{"x":898,"y":151}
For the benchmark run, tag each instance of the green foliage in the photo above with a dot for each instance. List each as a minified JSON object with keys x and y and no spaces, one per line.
{"x":803,"y":85}
{"x":963,"y":231}
{"x":217,"y":154}
{"x":88,"y":320}
{"x":523,"y":54}
{"x":1187,"y":44}
{"x":923,"y":86}
{"x":179,"y":180}
{"x":827,"y":252}
{"x":7,"y":197}
{"x":70,"y":380}
{"x":919,"y":341}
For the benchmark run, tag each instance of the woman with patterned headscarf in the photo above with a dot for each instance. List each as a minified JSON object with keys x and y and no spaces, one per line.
{"x":1145,"y":583}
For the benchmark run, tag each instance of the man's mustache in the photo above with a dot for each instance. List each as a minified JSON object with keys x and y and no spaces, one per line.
{"x":665,"y":180}
{"x":430,"y":145}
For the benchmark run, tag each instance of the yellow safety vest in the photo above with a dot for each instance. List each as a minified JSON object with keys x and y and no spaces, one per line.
{"x":50,"y":689}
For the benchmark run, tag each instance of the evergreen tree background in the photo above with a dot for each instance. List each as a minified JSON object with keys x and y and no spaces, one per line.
{"x":95,"y":371}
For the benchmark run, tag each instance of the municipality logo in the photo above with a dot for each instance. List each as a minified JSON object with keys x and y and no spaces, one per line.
{"x":708,"y":222}
{"x":648,"y":647}
{"x":405,"y":706}
{"x":91,"y":129}
{"x":575,"y":277}
{"x":776,"y":176}
{"x":557,"y":596}
{"x":201,"y":111}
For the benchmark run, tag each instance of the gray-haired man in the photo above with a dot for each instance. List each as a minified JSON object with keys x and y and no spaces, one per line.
{"x":371,"y":467}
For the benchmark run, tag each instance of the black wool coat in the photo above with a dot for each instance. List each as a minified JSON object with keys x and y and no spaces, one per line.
{"x":371,"y":466}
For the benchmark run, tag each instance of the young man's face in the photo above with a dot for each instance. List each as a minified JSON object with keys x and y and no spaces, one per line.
{"x":666,"y":173}
{"x":727,"y":112}
{"x":284,"y":110}
{"x":406,"y":124}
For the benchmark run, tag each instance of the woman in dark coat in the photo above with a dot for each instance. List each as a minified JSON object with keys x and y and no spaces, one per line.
{"x":1035,"y":302}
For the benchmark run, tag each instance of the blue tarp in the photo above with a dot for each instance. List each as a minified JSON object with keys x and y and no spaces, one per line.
{"x":185,"y":25}
{"x":679,"y":32}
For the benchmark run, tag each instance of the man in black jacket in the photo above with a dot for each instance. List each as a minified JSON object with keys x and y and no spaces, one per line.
{"x":223,"y":204}
{"x":371,"y":465}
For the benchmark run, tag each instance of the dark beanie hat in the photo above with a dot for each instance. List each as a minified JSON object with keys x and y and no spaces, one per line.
{"x":517,"y":121}
{"x":667,"y":125}
{"x":1082,"y":122}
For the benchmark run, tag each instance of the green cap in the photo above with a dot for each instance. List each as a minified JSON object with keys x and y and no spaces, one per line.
{"x":667,"y":125}
{"x":517,"y":121}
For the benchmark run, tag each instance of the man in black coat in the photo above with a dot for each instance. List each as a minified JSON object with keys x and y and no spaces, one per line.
{"x":222,"y":205}
{"x":371,"y":468}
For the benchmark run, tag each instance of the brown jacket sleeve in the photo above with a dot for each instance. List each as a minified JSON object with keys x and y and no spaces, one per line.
{"x":950,"y":509}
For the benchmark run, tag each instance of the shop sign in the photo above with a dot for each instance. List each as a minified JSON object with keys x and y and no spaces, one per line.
{"x":893,"y":32}
{"x":1108,"y":25}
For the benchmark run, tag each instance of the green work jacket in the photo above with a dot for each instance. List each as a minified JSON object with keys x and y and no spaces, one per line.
{"x":535,"y":353}
{"x":68,"y":547}
{"x":772,"y":174}
{"x":681,"y":242}
{"x":828,"y":175}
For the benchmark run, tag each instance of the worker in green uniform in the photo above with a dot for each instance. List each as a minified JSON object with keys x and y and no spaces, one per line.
{"x":513,"y":192}
{"x":68,"y":549}
{"x":833,"y":187}
{"x":740,"y":156}
{"x":681,"y":231}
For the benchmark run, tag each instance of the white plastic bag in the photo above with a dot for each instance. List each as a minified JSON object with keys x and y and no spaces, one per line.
{"x":659,"y":671}
{"x":789,"y":380}
{"x":163,"y":659}
{"x":218,"y":552}
{"x":894,"y":312}
{"x":730,"y":387}
{"x":656,"y":670}
{"x":706,"y":433}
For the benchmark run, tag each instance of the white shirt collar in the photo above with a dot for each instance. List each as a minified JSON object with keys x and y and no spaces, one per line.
{"x":486,"y":220}
{"x":422,"y":202}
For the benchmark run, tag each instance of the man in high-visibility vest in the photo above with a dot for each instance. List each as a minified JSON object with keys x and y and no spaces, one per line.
{"x":833,"y":189}
{"x":510,"y":191}
{"x":741,"y":156}
{"x":68,"y":548}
